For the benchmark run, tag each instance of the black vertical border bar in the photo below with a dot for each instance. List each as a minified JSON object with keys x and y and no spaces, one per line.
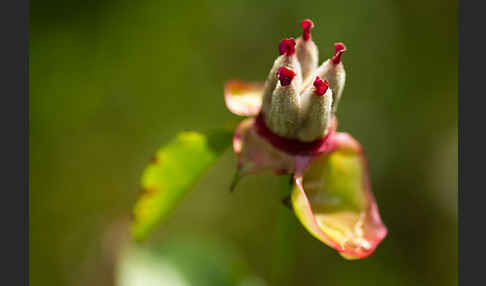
{"x":14,"y":136}
{"x":26,"y":91}
{"x":472,"y":143}
{"x":460,"y":129}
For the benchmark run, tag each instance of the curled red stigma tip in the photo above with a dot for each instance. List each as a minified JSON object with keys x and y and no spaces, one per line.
{"x":285,"y":75}
{"x":321,"y":86}
{"x":340,"y":48}
{"x":287,"y":46}
{"x":307,"y":25}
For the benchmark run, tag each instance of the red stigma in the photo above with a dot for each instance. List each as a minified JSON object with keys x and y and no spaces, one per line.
{"x":285,"y":75}
{"x":340,"y":48}
{"x":287,"y":46}
{"x":321,"y":86}
{"x":307,"y":25}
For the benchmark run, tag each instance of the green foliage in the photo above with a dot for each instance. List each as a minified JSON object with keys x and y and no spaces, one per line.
{"x":183,"y":261}
{"x":174,"y":170}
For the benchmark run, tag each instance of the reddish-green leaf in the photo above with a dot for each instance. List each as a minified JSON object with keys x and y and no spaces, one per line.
{"x":333,"y":200}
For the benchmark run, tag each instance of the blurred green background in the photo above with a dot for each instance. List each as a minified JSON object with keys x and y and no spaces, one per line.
{"x":112,"y":80}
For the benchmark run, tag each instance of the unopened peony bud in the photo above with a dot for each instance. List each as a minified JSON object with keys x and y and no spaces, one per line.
{"x":284,"y":115}
{"x":333,"y":71}
{"x":288,"y":59}
{"x":306,"y":50}
{"x":318,"y":112}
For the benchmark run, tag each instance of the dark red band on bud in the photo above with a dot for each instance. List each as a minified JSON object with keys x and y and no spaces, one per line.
{"x":285,"y":75}
{"x":340,"y":48}
{"x":295,"y":146}
{"x":321,"y":86}
{"x":287,"y":46}
{"x":307,"y":25}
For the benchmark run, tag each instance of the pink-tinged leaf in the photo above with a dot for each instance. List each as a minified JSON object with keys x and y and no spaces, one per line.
{"x":256,"y":154}
{"x":333,"y":200}
{"x":242,"y":98}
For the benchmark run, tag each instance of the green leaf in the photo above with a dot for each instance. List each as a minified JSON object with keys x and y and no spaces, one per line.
{"x":174,"y":170}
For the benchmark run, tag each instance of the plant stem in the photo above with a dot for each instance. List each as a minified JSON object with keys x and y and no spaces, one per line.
{"x":284,"y":252}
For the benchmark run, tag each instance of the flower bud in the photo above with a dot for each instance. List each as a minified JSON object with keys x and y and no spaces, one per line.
{"x":284,"y":115}
{"x":318,"y":112}
{"x":306,"y":50}
{"x":287,"y":59}
{"x":333,"y":71}
{"x":294,"y":132}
